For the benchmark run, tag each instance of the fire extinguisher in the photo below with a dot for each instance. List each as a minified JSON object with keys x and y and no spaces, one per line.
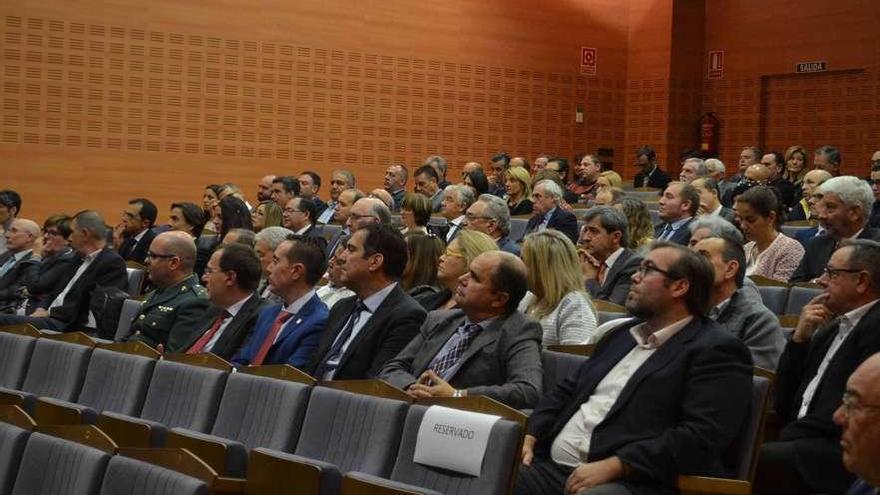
{"x":709,"y":134}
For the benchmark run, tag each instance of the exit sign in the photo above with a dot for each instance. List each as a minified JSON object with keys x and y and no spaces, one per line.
{"x":810,"y":67}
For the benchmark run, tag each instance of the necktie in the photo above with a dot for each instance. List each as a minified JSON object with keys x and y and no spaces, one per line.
{"x":336,"y":349}
{"x":667,"y":232}
{"x":200,"y":344}
{"x":444,"y":361}
{"x":282,"y":318}
{"x":600,"y":273}
{"x":7,"y":266}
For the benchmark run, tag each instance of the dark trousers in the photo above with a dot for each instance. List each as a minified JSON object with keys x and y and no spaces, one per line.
{"x":40,"y":322}
{"x":545,"y":477}
{"x":781,"y":472}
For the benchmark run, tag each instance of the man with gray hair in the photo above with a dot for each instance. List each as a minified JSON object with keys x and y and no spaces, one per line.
{"x":366,"y":211}
{"x":548,"y":214}
{"x":439,"y":164}
{"x":844,"y":211}
{"x":693,"y":168}
{"x":607,"y":265}
{"x":19,"y":265}
{"x":339,"y":181}
{"x":100,"y":266}
{"x":712,"y":226}
{"x":490,"y":215}
{"x":267,"y":240}
{"x":179,"y":303}
{"x":827,"y":158}
{"x":457,"y":198}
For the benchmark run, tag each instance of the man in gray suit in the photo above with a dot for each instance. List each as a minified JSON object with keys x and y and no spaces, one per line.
{"x":751,"y":322}
{"x":486,"y":347}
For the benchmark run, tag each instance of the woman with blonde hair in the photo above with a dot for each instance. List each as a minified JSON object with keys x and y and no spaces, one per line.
{"x":610,"y":178}
{"x":454,"y":263}
{"x":557,"y":298}
{"x":519,"y":190}
{"x":795,"y":166}
{"x":267,"y":214}
{"x":641,"y":229}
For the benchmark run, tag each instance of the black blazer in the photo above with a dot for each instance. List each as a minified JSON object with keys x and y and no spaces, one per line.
{"x":658,"y":179}
{"x":617,"y":279}
{"x":137,"y":252}
{"x":52,"y":277}
{"x":107,"y":270}
{"x":234,"y":335}
{"x":395,"y":322}
{"x":524,"y":207}
{"x":23,"y":272}
{"x":681,"y":236}
{"x":816,"y":438}
{"x":818,"y":251}
{"x":561,"y":220}
{"x":728,"y":214}
{"x":677,"y":414}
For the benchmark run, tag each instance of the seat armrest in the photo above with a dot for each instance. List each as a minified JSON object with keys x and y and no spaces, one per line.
{"x":227,"y":457}
{"x":51,"y":411}
{"x":128,"y":431}
{"x":355,"y":483}
{"x":706,"y":484}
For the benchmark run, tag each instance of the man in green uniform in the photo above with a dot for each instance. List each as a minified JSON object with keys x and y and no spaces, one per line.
{"x":179,"y":304}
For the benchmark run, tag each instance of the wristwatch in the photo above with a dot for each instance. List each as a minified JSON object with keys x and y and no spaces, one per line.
{"x":458,"y":393}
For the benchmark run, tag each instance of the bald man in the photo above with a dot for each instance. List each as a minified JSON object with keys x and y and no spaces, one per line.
{"x":264,"y":188}
{"x":859,"y":418}
{"x":179,"y":302}
{"x":18,"y":265}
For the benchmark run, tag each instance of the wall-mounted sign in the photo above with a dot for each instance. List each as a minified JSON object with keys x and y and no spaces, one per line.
{"x":588,"y":61}
{"x":810,"y":67}
{"x":716,"y":64}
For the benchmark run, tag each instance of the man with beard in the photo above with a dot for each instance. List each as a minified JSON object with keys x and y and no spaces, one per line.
{"x":663,"y":394}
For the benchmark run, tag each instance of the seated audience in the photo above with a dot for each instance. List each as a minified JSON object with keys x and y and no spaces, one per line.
{"x":795,"y":167}
{"x":489,"y":215}
{"x":244,"y":237}
{"x":609,"y":178}
{"x":422,"y":254}
{"x":827,"y":158}
{"x":769,"y":253}
{"x":231,"y":213}
{"x":640,"y":229}
{"x":498,"y":165}
{"x":710,"y":204}
{"x":607,"y":264}
{"x":476,"y":180}
{"x":187,"y":217}
{"x":540,"y":162}
{"x":366,"y":211}
{"x":264,"y":188}
{"x":428,"y":184}
{"x":231,"y":280}
{"x":858,"y":417}
{"x":836,"y":332}
{"x":470,"y":167}
{"x":677,"y":207}
{"x":365,"y":331}
{"x":347,"y":199}
{"x":775,"y":163}
{"x":650,"y":175}
{"x":333,"y":291}
{"x":210,"y":198}
{"x":267,"y":214}
{"x":309,"y":185}
{"x":289,"y":332}
{"x":663,"y":394}
{"x":99,"y":267}
{"x":519,"y":190}
{"x":284,"y":189}
{"x":340,"y":181}
{"x":693,"y":168}
{"x":179,"y":302}
{"x":485,"y":347}
{"x":10,"y":207}
{"x":456,"y":200}
{"x":299,"y":216}
{"x":802,"y":209}
{"x":557,"y":298}
{"x":874,"y":182}
{"x":452,"y":264}
{"x":415,"y":212}
{"x":384,"y":196}
{"x":59,"y":261}
{"x":19,"y":265}
{"x":138,"y":219}
{"x":586,"y":179}
{"x":396,"y":176}
{"x":843,"y":211}
{"x":548,"y":214}
{"x":606,"y":196}
{"x":706,"y":227}
{"x":752,"y":323}
{"x":265,"y":243}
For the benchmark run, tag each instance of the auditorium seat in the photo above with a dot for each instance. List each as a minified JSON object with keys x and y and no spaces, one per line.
{"x":56,"y":370}
{"x":799,"y":296}
{"x":791,"y":230}
{"x":495,"y":477}
{"x":15,"y":354}
{"x":130,"y":310}
{"x":255,"y":411}
{"x":606,"y":316}
{"x":179,"y":395}
{"x":517,"y":228}
{"x":114,"y":381}
{"x":126,"y":476}
{"x":557,"y":366}
{"x":135,"y":281}
{"x":12,"y":442}
{"x":54,"y":466}
{"x":329,"y":230}
{"x":774,"y":298}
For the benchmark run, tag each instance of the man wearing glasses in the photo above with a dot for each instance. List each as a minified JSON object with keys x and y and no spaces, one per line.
{"x":179,"y":303}
{"x":836,"y":332}
{"x":859,"y":417}
{"x":663,"y":393}
{"x":491,"y":216}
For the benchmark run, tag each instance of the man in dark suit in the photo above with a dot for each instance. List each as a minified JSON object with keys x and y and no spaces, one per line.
{"x":843,"y":211}
{"x":836,"y":332}
{"x":710,"y":204}
{"x":100,"y":267}
{"x":548,"y":214}
{"x":650,"y":175}
{"x":289,"y":333}
{"x":677,"y":207}
{"x":367,"y":330}
{"x":607,"y":265}
{"x":299,"y":216}
{"x":663,"y":394}
{"x":138,"y":219}
{"x":18,"y":265}
{"x":457,"y":198}
{"x":231,"y":278}
{"x":485,"y":347}
{"x":859,"y":418}
{"x":309,"y":185}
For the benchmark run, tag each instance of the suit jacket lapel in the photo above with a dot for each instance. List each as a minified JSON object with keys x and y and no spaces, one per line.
{"x":616,"y":267}
{"x":295,"y":321}
{"x":486,"y":337}
{"x":373,"y":320}
{"x":440,"y":335}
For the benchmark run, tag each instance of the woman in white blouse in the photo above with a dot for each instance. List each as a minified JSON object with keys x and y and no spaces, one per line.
{"x":768,"y":253}
{"x":557,"y":298}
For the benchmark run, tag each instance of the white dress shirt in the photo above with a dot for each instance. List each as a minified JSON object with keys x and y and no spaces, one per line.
{"x":232,"y":310}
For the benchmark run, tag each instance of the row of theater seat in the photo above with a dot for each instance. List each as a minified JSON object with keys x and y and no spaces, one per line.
{"x":194,"y":402}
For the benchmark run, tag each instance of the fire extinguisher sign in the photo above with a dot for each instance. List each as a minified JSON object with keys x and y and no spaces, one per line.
{"x":716,"y":64}
{"x":588,"y":61}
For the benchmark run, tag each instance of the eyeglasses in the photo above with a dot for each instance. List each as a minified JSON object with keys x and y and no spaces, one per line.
{"x":833,"y":273}
{"x":647,"y":267}
{"x":356,"y":216}
{"x":51,"y":232}
{"x":157,"y":256}
{"x":470,"y":217}
{"x":850,"y":403}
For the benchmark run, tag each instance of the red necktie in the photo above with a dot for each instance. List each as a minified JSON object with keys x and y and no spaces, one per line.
{"x":283,"y":316}
{"x":200,"y":344}
{"x":600,"y":274}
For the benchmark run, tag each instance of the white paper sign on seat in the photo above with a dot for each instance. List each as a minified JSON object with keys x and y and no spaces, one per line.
{"x":453,"y":439}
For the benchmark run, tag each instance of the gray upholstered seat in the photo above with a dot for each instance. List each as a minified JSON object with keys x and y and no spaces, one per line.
{"x":774,"y":298}
{"x":127,"y":476}
{"x":179,"y":395}
{"x":798,"y":297}
{"x":56,"y":369}
{"x":114,"y":382}
{"x":135,"y":280}
{"x":495,"y":475}
{"x":557,"y":366}
{"x":52,"y":466}
{"x":517,"y":229}
{"x":256,"y":412}
{"x":12,"y":442}
{"x":606,"y":316}
{"x":130,"y":310}
{"x":345,"y":432}
{"x":15,"y":353}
